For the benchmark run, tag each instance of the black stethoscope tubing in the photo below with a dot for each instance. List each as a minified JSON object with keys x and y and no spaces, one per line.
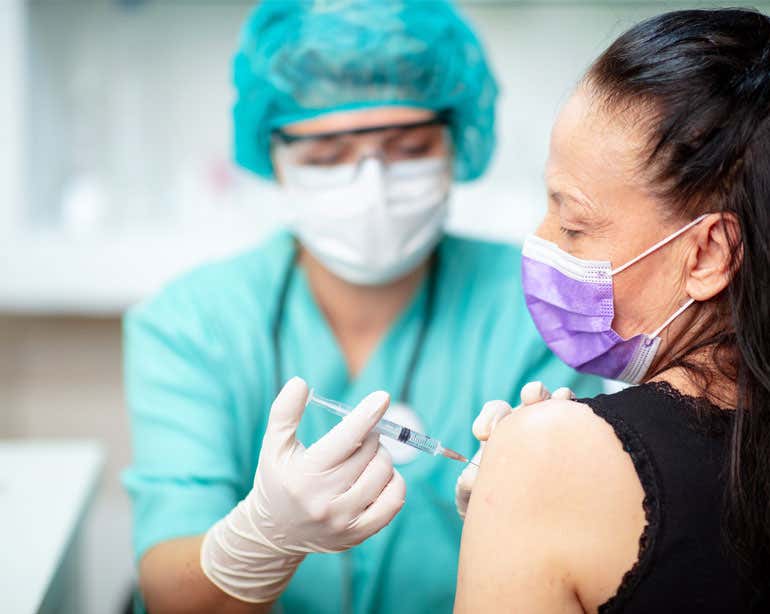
{"x":414,"y":359}
{"x":406,"y":389}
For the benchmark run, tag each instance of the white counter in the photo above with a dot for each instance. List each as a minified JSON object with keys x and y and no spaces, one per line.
{"x":46,"y":488}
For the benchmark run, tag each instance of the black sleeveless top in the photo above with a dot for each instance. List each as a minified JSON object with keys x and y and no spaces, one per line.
{"x":678,"y":446}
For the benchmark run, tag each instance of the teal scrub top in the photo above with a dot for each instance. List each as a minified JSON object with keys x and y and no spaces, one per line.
{"x":199,"y":372}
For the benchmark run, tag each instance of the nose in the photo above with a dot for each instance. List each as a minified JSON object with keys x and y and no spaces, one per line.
{"x":372,"y":168}
{"x":548,"y":228}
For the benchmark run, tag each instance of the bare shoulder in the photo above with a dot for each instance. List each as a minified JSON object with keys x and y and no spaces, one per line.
{"x":553,"y":436}
{"x":556,"y":481}
{"x":561,"y":461}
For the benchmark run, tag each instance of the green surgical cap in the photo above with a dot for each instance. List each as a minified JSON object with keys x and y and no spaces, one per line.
{"x":299,"y":59}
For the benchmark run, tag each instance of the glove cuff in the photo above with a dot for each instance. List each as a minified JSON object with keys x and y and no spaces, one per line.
{"x":238,"y":559}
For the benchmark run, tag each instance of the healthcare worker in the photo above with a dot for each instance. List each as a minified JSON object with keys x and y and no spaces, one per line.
{"x":365,"y":112}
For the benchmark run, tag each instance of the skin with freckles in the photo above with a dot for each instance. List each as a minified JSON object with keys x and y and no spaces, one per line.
{"x":556,"y":513}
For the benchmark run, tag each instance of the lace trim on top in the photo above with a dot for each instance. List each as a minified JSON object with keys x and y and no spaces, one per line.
{"x":651,"y":504}
{"x":667,"y":389}
{"x":705,"y":417}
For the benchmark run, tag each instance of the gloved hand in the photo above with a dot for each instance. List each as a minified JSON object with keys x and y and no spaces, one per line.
{"x":485,"y":423}
{"x":326,"y":498}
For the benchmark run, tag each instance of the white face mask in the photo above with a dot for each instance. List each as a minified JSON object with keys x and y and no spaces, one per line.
{"x":378,"y":227}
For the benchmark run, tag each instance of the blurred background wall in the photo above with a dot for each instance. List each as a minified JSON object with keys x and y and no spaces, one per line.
{"x":115,"y":175}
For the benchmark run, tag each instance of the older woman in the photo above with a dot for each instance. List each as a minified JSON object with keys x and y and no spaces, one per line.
{"x":652,"y":265}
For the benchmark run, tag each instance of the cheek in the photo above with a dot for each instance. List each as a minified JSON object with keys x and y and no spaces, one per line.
{"x":628,"y":293}
{"x":643,"y":297}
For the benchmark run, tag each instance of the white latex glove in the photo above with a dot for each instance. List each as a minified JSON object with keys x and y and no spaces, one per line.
{"x":485,"y":423}
{"x":326,"y":498}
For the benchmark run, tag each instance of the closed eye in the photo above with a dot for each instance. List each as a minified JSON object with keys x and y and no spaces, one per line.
{"x":568,"y":232}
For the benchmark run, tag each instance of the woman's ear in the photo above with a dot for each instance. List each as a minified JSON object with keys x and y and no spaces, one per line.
{"x":710,"y":264}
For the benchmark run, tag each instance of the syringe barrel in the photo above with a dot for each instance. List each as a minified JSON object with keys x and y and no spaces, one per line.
{"x":383,"y":427}
{"x":407,"y":436}
{"x":334,"y":407}
{"x":389,"y":429}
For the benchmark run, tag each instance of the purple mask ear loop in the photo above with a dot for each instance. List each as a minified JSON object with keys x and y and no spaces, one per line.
{"x":659,"y":244}
{"x":671,"y":318}
{"x":649,"y":251}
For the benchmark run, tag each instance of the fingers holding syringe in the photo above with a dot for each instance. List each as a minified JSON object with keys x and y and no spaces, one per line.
{"x":384,"y":508}
{"x":370,"y":483}
{"x":348,"y":435}
{"x":351,"y":468}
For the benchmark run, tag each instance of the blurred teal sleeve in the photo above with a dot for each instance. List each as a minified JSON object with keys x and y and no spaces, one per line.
{"x":183,"y":476}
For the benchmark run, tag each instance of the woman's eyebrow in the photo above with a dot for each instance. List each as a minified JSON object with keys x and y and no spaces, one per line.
{"x":584,"y":202}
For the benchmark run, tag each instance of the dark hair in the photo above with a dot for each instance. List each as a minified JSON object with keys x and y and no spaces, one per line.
{"x":700,"y":82}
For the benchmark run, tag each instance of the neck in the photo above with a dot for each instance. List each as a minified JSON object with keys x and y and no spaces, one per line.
{"x":358,"y":315}
{"x":705,"y":377}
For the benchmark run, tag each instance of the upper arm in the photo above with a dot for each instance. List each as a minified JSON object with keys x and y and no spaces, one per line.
{"x":556,"y":502}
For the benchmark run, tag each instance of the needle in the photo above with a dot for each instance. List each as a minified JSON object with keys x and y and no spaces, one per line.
{"x":449,"y":453}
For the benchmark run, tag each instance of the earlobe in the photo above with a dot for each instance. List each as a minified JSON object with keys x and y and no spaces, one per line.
{"x":711,"y":263}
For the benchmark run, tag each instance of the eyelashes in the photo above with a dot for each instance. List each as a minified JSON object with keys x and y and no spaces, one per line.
{"x":567,"y":232}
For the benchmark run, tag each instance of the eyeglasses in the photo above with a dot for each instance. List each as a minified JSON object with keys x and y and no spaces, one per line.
{"x":334,"y":157}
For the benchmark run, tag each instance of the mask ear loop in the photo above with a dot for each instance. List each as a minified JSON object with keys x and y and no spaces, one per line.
{"x":646,"y":253}
{"x":659,"y":244}
{"x":671,"y":318}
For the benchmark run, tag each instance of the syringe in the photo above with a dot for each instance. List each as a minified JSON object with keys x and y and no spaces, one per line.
{"x":391,"y":429}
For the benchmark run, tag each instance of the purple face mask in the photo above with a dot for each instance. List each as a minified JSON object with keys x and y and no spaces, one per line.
{"x":571,"y":302}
